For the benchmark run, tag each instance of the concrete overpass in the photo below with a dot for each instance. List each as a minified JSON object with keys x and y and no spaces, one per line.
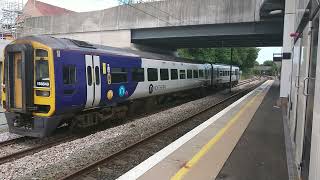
{"x":171,"y":24}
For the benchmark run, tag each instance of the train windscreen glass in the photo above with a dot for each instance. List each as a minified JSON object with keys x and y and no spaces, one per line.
{"x":42,"y":73}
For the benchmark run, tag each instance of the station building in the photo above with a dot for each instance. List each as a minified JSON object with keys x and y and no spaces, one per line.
{"x":300,"y":84}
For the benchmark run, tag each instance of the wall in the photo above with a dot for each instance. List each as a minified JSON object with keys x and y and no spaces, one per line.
{"x":289,"y":27}
{"x":3,"y":43}
{"x":121,"y":38}
{"x":180,"y":12}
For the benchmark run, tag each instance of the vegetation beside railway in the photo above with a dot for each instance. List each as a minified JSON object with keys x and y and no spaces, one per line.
{"x":245,"y":58}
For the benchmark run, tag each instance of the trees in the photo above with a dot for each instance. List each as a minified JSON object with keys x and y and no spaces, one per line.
{"x":274,"y":67}
{"x":245,"y":58}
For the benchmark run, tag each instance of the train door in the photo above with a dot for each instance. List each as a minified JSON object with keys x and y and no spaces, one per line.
{"x":301,"y":106}
{"x":293,"y":101}
{"x":93,"y":80}
{"x":308,"y":91}
{"x":18,"y":73}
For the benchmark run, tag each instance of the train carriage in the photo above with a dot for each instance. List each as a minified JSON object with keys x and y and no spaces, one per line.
{"x":50,"y":81}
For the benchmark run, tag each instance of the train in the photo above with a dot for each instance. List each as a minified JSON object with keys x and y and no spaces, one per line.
{"x":48,"y":82}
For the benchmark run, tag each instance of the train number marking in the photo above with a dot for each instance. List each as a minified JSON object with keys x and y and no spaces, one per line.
{"x":43,"y":83}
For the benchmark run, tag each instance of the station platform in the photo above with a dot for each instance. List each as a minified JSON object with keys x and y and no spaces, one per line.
{"x":242,"y":142}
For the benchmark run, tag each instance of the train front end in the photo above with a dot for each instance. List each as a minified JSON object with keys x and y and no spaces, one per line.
{"x":28,"y":89}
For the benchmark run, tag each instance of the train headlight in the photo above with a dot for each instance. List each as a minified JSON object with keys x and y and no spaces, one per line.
{"x":43,"y":93}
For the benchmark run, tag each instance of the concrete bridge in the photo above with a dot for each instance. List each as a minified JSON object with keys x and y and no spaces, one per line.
{"x":171,"y":24}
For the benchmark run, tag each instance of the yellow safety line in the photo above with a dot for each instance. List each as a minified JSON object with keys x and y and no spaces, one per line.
{"x":195,"y":159}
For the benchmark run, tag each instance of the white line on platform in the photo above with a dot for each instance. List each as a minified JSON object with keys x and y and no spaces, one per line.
{"x":146,"y":165}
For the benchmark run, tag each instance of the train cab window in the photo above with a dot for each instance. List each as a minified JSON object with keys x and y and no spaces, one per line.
{"x":41,"y":53}
{"x":119,"y":75}
{"x":69,"y":74}
{"x":137,"y":74}
{"x":152,"y":74}
{"x":174,"y":74}
{"x":164,"y":74}
{"x":182,"y":74}
{"x":195,"y":74}
{"x":201,"y":73}
{"x":189,"y":74}
{"x":42,"y":73}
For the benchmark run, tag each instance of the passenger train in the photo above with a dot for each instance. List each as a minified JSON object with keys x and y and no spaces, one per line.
{"x":49,"y":81}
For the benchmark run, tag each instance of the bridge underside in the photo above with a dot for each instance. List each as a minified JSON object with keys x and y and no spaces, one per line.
{"x":255,"y":34}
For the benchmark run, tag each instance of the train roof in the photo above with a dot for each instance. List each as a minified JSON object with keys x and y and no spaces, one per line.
{"x":64,"y":43}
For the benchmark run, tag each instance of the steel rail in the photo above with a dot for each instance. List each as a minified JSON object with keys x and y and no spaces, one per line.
{"x":35,"y":149}
{"x":90,"y":166}
{"x":11,"y":141}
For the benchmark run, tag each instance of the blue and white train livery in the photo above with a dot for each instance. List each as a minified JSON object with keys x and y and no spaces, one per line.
{"x":49,"y":81}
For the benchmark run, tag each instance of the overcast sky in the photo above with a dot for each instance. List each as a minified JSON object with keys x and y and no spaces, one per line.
{"x":92,"y":5}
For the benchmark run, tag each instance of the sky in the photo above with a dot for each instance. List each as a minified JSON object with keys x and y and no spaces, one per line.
{"x":92,"y":5}
{"x":266,"y":53}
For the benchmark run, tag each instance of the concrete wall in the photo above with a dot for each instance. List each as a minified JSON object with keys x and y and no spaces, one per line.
{"x":180,"y":12}
{"x":121,"y":38}
{"x":286,"y":67}
{"x":3,"y":44}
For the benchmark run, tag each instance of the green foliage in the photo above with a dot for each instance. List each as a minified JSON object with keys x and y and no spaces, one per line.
{"x":268,"y":63}
{"x":274,"y":69}
{"x":245,"y":58}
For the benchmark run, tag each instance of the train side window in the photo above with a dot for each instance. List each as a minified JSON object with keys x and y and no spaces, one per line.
{"x":119,"y":75}
{"x":182,"y":74}
{"x":19,"y":68}
{"x":89,"y":75}
{"x":137,"y":74}
{"x":221,"y":73}
{"x":201,"y":73}
{"x":97,"y":73}
{"x":195,"y":74}
{"x":164,"y":74}
{"x":189,"y":74}
{"x":69,"y":74}
{"x":174,"y":74}
{"x":152,"y":74}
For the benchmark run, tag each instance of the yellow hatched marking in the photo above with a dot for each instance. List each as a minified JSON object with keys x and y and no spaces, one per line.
{"x":195,"y":159}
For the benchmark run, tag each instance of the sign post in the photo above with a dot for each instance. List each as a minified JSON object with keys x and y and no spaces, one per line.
{"x":231,"y":60}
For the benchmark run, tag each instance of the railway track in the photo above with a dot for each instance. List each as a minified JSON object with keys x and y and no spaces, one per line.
{"x":123,"y":160}
{"x":11,"y":141}
{"x":32,"y":150}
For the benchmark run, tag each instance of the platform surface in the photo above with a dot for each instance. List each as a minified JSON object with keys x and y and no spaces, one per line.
{"x":212,"y":150}
{"x":260,"y":152}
